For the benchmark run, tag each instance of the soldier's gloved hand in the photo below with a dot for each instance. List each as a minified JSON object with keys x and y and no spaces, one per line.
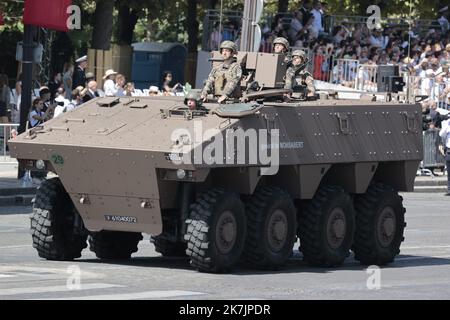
{"x":222,"y":99}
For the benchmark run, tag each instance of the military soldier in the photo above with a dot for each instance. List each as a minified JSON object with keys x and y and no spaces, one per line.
{"x":297,"y":75}
{"x":224,"y":80}
{"x":281,"y":46}
{"x":193,"y":101}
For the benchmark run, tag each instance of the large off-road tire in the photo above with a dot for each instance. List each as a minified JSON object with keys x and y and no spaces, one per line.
{"x":57,"y":230}
{"x":114,"y":245}
{"x":216,"y":231}
{"x":169,"y":248}
{"x":326,"y":227}
{"x":380,"y":222}
{"x":271,"y":228}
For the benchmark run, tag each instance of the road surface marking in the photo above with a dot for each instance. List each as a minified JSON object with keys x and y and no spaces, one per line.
{"x":425,"y":247}
{"x":160,"y":294}
{"x":16,"y":247}
{"x":7,"y":276}
{"x":49,"y":289}
{"x":421,"y":258}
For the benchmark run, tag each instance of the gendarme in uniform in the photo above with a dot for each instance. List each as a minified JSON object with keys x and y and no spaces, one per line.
{"x":224,"y":80}
{"x":297,"y":75}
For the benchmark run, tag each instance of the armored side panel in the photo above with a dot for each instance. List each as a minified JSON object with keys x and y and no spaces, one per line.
{"x":119,"y":159}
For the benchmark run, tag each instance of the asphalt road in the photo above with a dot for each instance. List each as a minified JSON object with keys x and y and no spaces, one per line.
{"x":420,"y":272}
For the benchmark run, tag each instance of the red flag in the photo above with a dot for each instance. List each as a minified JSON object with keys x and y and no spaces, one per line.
{"x":50,"y":14}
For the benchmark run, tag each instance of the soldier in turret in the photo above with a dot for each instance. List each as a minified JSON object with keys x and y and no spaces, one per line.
{"x":281,"y":46}
{"x":193,"y":101}
{"x":224,"y":80}
{"x":297,"y":77}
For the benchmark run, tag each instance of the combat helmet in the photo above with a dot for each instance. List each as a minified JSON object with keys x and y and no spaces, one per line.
{"x":301,"y":54}
{"x":194,"y":95}
{"x":227,"y":44}
{"x":283,"y":41}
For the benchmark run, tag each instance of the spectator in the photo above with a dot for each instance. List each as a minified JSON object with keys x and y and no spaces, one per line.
{"x":92,"y":92}
{"x":120,"y":83}
{"x":37,"y":116}
{"x":15,"y":110}
{"x":296,"y":27}
{"x":317,"y":23}
{"x":60,"y":92}
{"x":214,"y":39}
{"x":306,"y":12}
{"x":129,"y":89}
{"x":167,"y":81}
{"x":5,"y":98}
{"x":44,"y":94}
{"x":339,"y":34}
{"x":109,"y":87}
{"x":229,"y":32}
{"x":427,"y":83}
{"x":153,"y":91}
{"x":61,"y":106}
{"x":67,"y":79}
{"x":77,"y":100}
{"x":376,"y":39}
{"x":443,"y":21}
{"x":54,"y":85}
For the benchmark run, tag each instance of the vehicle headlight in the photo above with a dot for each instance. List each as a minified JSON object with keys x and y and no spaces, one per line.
{"x":181,"y":174}
{"x":40,"y":164}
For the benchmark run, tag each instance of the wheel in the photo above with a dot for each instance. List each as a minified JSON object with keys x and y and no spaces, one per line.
{"x":380,"y":222}
{"x":215,"y":231}
{"x":114,"y":245}
{"x":326,"y":227}
{"x":169,"y":248}
{"x":271,"y":228}
{"x":57,"y":229}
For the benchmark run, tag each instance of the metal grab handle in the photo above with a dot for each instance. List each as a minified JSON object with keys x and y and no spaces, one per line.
{"x":411,"y":123}
{"x":344,"y":124}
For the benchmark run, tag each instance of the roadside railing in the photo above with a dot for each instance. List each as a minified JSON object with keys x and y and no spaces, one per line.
{"x":7,"y":131}
{"x":344,"y":72}
{"x":433,"y":156}
{"x":366,"y":79}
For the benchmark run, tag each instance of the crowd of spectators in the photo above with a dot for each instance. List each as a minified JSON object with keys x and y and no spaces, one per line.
{"x":71,"y":88}
{"x":350,"y":53}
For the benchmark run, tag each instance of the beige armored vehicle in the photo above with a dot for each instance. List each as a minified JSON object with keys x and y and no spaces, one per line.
{"x":226,"y":183}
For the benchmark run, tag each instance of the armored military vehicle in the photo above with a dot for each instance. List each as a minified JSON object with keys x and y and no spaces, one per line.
{"x":225,"y":182}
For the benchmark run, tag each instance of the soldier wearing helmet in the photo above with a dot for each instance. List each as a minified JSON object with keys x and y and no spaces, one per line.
{"x":281,"y":46}
{"x":224,"y":80}
{"x":193,"y":101}
{"x":298,"y":76}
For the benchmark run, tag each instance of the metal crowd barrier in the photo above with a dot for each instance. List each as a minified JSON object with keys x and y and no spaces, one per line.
{"x":7,"y":131}
{"x":344,"y":72}
{"x":432,"y":156}
{"x":366,"y":79}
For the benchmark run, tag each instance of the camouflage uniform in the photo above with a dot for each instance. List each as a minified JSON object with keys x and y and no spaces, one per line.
{"x":224,"y":80}
{"x":298,"y":76}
